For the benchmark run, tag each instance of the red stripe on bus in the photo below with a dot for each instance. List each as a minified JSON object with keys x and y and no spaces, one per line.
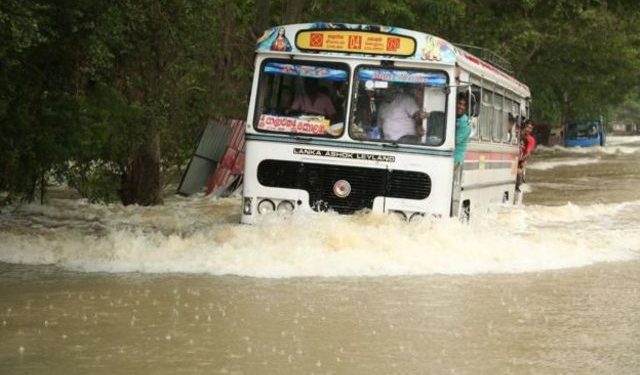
{"x":490,"y":156}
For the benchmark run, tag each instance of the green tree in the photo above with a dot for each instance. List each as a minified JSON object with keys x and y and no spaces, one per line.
{"x":110,"y":97}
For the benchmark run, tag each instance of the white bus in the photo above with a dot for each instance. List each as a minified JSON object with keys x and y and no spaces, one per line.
{"x":336,"y":154}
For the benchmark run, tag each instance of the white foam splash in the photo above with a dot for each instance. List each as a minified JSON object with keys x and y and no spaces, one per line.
{"x":545,"y":165}
{"x":623,"y":140}
{"x":615,"y":145}
{"x":202,"y":236}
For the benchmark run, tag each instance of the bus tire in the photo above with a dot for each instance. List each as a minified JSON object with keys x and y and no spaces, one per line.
{"x":465,"y":213}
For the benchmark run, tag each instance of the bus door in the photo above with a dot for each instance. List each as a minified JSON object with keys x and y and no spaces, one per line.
{"x":456,"y":189}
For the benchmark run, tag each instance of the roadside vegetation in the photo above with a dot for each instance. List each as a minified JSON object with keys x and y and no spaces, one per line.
{"x":110,"y":97}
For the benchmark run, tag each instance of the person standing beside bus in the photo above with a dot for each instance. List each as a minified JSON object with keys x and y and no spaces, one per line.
{"x":527,"y":146}
{"x":463,"y":130}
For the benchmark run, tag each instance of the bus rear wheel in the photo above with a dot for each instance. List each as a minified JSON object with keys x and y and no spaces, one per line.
{"x":465,"y":214}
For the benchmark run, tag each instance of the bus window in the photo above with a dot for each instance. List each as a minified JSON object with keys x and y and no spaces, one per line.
{"x":301,"y":98}
{"x":498,"y":120}
{"x":390,"y":104}
{"x":475,"y":111}
{"x":510,"y":119}
{"x":486,"y":115}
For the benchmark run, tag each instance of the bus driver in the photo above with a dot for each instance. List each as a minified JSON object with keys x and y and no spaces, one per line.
{"x":313,"y":101}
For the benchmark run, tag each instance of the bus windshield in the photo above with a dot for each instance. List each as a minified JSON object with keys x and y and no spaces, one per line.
{"x":302,"y":98}
{"x":387,"y":103}
{"x":586,"y":129}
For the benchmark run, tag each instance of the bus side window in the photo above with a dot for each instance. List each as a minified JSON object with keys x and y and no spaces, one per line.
{"x":475,"y":104}
{"x":486,"y":118}
{"x":475,"y":101}
{"x":433,"y":100}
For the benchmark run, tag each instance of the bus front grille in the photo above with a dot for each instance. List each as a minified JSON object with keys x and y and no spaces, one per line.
{"x":366,"y":183}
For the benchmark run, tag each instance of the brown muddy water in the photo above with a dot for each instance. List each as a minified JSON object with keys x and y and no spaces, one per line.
{"x":550,"y":287}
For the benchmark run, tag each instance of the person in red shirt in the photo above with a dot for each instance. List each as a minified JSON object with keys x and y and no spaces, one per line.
{"x":527,"y":146}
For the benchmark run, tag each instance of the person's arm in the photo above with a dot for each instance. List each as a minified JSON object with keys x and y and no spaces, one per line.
{"x":418,"y":117}
{"x":415,"y":113}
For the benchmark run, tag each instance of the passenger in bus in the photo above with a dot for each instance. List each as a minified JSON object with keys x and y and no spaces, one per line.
{"x":463,"y":130}
{"x":511,"y":129}
{"x":527,"y":146}
{"x":399,"y":116}
{"x":313,"y":101}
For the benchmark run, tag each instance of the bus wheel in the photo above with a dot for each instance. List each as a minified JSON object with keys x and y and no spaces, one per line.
{"x":465,"y":215}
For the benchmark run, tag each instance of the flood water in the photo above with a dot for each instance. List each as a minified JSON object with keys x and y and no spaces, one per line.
{"x":550,"y":287}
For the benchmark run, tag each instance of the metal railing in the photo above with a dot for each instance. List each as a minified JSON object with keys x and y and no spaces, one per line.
{"x":488,"y":56}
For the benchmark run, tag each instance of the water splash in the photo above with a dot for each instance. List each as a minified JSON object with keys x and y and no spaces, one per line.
{"x":546,"y":165}
{"x":200,"y":235}
{"x":616,"y":145}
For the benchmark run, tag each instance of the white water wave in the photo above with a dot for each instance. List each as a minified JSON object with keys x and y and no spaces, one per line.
{"x":624,"y":147}
{"x":546,"y":165}
{"x":623,"y":140}
{"x":202,"y":236}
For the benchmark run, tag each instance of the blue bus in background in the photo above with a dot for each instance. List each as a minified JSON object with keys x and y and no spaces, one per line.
{"x":584,"y":134}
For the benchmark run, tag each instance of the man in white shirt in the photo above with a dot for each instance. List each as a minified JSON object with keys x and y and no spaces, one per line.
{"x":399,"y":116}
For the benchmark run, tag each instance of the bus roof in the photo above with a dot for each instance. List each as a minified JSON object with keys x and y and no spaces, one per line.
{"x":376,"y":42}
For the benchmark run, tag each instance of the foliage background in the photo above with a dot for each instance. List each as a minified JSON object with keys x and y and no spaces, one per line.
{"x":110,"y":97}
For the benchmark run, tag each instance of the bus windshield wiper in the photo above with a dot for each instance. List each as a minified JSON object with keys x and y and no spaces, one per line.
{"x":392,"y":144}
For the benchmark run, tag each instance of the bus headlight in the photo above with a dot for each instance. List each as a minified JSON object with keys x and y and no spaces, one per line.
{"x":246,"y":206}
{"x":285,"y":207}
{"x":266,"y":206}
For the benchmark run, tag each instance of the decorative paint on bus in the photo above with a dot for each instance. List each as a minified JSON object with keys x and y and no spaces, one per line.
{"x":306,"y":71}
{"x":434,"y":79}
{"x":491,"y":160}
{"x":369,"y":40}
